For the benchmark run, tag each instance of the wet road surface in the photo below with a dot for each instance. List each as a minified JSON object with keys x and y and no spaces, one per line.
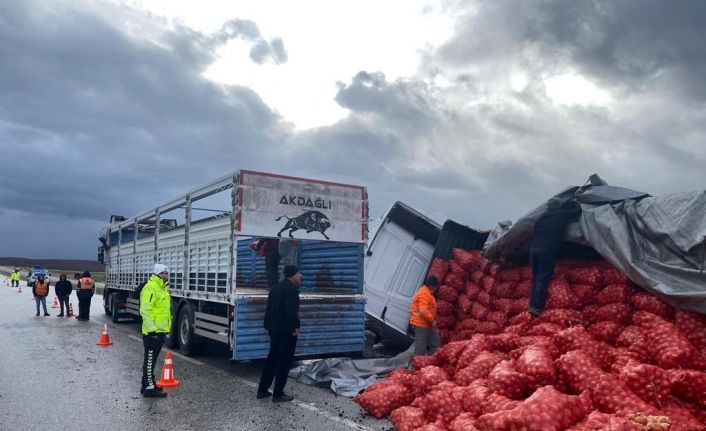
{"x":53,"y":376}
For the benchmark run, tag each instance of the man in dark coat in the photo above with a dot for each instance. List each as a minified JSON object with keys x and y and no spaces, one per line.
{"x":282,"y":322}
{"x":547,"y":238}
{"x":63,"y":290}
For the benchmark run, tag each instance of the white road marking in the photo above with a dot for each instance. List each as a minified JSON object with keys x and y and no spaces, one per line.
{"x":177,"y":354}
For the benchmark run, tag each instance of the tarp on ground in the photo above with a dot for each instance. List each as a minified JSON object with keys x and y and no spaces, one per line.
{"x":347,"y":377}
{"x":659,"y":242}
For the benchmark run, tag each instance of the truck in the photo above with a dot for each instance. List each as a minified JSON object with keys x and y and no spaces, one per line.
{"x":397,"y":261}
{"x":218,"y":283}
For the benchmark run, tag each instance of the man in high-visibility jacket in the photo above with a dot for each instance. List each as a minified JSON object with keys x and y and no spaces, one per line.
{"x":86,"y":289}
{"x":156,"y":312}
{"x":422,"y":317}
{"x":15,"y":278}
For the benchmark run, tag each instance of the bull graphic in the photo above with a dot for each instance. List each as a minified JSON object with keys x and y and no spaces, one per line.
{"x":310,"y":220}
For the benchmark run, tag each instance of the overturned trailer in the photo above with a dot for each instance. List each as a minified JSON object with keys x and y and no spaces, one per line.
{"x":218,"y":284}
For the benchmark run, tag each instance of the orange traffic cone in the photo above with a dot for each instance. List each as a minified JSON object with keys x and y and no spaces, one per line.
{"x":70,"y":312}
{"x":104,"y":339}
{"x":168,"y":380}
{"x":55,"y":304}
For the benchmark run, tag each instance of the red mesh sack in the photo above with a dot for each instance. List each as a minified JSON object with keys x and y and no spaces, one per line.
{"x":489,"y":328}
{"x":484,"y":265}
{"x":578,"y":371}
{"x":613,"y":276}
{"x":475,"y":347}
{"x":467,"y":324}
{"x":421,"y":361}
{"x":619,"y":313}
{"x":408,"y":418}
{"x":497,"y":403}
{"x":504,"y":342}
{"x":643,"y":301}
{"x":539,"y":340}
{"x":621,"y":356}
{"x":478,"y":311}
{"x":562,"y":317}
{"x":648,"y":382}
{"x":431,"y":376}
{"x":462,"y":335}
{"x":437,"y":426}
{"x":607,"y":332}
{"x":454,"y":281}
{"x":457,"y":270}
{"x":693,"y":325}
{"x":477,"y":276}
{"x":464,"y":304}
{"x":497,"y":317}
{"x":585,"y":293}
{"x":545,"y":329}
{"x":464,"y":422}
{"x":606,"y":422}
{"x":611,"y":396}
{"x":440,"y":405}
{"x":505,"y":380}
{"x":489,"y":285}
{"x":479,"y":368}
{"x":510,"y":274}
{"x":590,"y":275}
{"x":519,"y":329}
{"x":465,"y":258}
{"x":438,"y":268}
{"x":546,"y":410}
{"x":520,"y":318}
{"x":538,"y":365}
{"x":502,"y":304}
{"x":447,"y":293}
{"x":614,"y":293}
{"x":449,"y":353}
{"x":667,"y":345}
{"x":445,"y":321}
{"x":526,"y":273}
{"x":522,"y":290}
{"x":472,"y":290}
{"x":484,"y":298}
{"x":444,"y":308}
{"x":630,"y":335}
{"x":577,"y":338}
{"x":474,"y":396}
{"x":506,"y":289}
{"x":681,"y":417}
{"x":561,"y":296}
{"x":407,"y":378}
{"x":382,"y":398}
{"x":689,"y":385}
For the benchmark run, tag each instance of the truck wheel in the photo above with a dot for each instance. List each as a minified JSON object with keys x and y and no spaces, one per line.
{"x":106,"y":303}
{"x":114,"y":306}
{"x":186,"y":330}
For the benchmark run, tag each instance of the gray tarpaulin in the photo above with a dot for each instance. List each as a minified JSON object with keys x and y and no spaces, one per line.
{"x":348,"y":377}
{"x":658,"y":242}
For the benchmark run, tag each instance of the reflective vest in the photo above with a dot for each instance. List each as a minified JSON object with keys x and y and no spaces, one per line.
{"x":422,"y":311}
{"x":155,"y":306}
{"x":86,"y":283}
{"x":15,"y":276}
{"x":41,"y":289}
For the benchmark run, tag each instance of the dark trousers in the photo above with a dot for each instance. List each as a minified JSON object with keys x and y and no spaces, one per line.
{"x":84,"y":304}
{"x":64,"y":302}
{"x":279,"y":360}
{"x":542,"y":261}
{"x":153,"y":345}
{"x":15,"y":283}
{"x":272,"y":268}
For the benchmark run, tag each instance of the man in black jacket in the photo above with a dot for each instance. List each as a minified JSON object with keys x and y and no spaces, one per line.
{"x":547,"y":238}
{"x":282,"y":322}
{"x":63,"y":289}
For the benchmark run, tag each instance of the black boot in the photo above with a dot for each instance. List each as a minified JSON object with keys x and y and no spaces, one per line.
{"x":153,"y":393}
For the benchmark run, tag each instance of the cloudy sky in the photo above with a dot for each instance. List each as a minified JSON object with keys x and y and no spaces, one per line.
{"x":470,"y":110}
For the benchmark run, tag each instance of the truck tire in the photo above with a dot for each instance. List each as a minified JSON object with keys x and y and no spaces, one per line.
{"x":185,"y":331}
{"x":107,"y":307}
{"x":114,"y":306}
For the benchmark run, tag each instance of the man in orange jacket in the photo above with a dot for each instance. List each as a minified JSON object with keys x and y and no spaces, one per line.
{"x":422,"y":317}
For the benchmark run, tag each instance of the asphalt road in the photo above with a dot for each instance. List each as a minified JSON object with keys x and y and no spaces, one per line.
{"x":53,"y":376}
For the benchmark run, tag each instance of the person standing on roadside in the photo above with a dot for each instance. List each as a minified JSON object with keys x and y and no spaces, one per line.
{"x":40,"y":290}
{"x":423,"y":318}
{"x":15,"y":278}
{"x":63,"y":290}
{"x":282,"y":322}
{"x":156,"y":312}
{"x":86,"y":289}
